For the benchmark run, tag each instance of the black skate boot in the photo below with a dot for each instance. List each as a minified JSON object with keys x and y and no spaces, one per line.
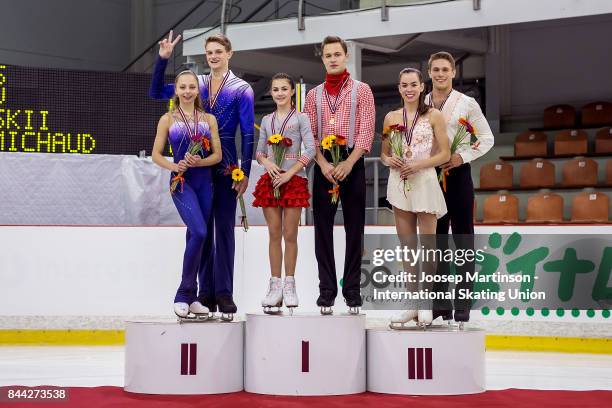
{"x":210,"y":302}
{"x":462,"y":316}
{"x":353,"y":301}
{"x":227,"y":307}
{"x":443,"y":309}
{"x":325,"y":304}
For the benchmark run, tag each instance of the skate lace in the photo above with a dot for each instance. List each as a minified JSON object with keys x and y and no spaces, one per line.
{"x":273,"y":286}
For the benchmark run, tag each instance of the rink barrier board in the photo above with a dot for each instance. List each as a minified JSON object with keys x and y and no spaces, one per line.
{"x":588,"y":345}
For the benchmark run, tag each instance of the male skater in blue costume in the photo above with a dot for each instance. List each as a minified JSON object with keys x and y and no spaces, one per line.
{"x":230,"y":100}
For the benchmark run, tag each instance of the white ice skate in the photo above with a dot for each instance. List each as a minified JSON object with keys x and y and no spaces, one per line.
{"x":195,"y":312}
{"x":425,"y":318}
{"x":181,"y":310}
{"x":200,"y":312}
{"x":289,"y":294}
{"x":399,"y":320}
{"x":274,"y":298}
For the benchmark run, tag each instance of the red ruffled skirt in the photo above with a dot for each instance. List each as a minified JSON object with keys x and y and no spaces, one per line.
{"x":293,"y":193}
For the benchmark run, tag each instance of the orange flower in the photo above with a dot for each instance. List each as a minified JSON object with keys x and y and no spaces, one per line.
{"x":206,"y":144}
{"x":177,"y":181}
{"x":341,"y":140}
{"x":468,"y":126}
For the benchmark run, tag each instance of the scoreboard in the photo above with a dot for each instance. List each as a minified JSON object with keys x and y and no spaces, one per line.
{"x":78,"y":112}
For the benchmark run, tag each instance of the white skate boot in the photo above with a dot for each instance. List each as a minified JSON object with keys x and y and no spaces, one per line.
{"x":289,"y":294}
{"x":181,"y":309}
{"x":274,"y":298}
{"x":200,"y":311}
{"x":425,"y":318}
{"x":399,"y":320}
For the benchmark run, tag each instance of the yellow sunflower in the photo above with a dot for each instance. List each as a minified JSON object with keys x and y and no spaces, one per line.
{"x":326,"y":144}
{"x":274,"y":139}
{"x":237,"y":175}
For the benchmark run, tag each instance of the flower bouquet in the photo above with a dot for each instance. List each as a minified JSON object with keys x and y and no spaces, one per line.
{"x":465,"y":135}
{"x":237,"y":176}
{"x":279,"y":146}
{"x":198,"y":144}
{"x":333,"y":143}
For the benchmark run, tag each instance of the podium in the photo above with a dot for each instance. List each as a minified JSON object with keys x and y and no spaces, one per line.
{"x":436,"y":361}
{"x":305,"y":354}
{"x":166,"y":357}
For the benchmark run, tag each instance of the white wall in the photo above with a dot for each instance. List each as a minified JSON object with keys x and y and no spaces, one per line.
{"x":129,"y":271}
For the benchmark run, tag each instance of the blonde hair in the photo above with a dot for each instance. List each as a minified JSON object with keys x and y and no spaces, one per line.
{"x":221,"y":39}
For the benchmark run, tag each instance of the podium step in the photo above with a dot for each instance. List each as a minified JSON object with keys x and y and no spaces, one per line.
{"x":436,"y":361}
{"x":305,"y":354}
{"x":166,"y":357}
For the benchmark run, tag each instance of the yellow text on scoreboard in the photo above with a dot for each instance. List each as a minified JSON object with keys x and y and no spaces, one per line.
{"x":26,"y":130}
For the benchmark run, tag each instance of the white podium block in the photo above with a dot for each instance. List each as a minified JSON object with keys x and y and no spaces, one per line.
{"x":437,"y":361}
{"x":165,"y":357}
{"x":305,"y":354}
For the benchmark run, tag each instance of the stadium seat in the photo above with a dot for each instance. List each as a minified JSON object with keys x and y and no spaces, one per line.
{"x":580,"y":171}
{"x":537,"y":173}
{"x":590,"y":207}
{"x":496,"y":175}
{"x":560,"y":117}
{"x":545,"y":207}
{"x":501,"y":208}
{"x":531,"y":144}
{"x":568,"y":142}
{"x":597,"y":114}
{"x":608,"y":179}
{"x":603,"y":141}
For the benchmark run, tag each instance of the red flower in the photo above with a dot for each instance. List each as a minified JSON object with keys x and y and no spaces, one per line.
{"x":229,"y":168}
{"x":197,"y":137}
{"x":397,"y":127}
{"x":468,"y":126}
{"x":341,"y":140}
{"x":288,"y":142}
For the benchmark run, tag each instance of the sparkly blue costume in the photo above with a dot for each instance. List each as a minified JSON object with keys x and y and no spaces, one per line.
{"x":233,"y":107}
{"x":194,"y":202}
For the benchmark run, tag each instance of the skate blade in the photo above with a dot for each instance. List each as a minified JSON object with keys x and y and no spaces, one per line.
{"x":401,"y":326}
{"x":272,"y":310}
{"x":200,"y":318}
{"x":326,"y":311}
{"x":227,"y":317}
